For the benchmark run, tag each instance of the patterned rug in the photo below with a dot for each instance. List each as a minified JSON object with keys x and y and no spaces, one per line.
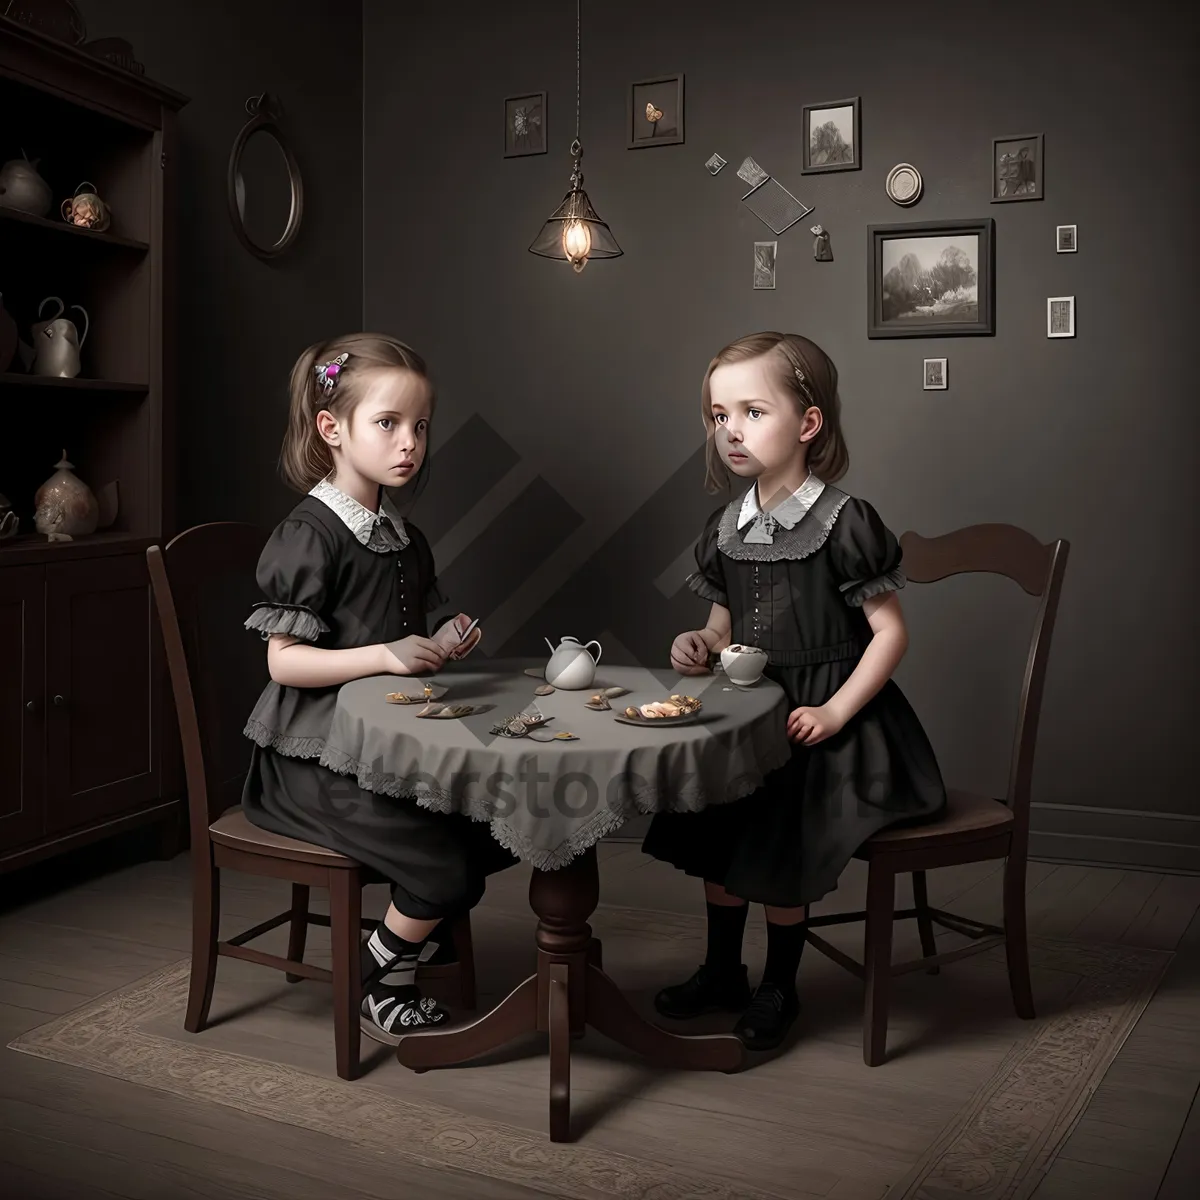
{"x":1021,"y":1102}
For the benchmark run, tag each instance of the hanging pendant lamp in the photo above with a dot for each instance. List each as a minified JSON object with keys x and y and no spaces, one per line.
{"x":574,"y":230}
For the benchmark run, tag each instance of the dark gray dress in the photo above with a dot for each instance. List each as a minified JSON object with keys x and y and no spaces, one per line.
{"x":800,"y":598}
{"x":324,"y":585}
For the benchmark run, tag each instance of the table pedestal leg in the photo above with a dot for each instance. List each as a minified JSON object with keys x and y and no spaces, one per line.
{"x":568,"y":992}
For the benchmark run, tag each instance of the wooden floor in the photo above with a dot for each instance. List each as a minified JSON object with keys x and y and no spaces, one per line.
{"x":102,"y":918}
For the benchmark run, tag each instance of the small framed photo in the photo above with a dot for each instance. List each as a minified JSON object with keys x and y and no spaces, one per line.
{"x":656,"y":112}
{"x":1017,"y":167}
{"x":933,"y":279}
{"x":764,"y":265}
{"x":1065,"y":239}
{"x":525,"y":125}
{"x":1060,"y":316}
{"x":831,"y":135}
{"x":934,"y":375}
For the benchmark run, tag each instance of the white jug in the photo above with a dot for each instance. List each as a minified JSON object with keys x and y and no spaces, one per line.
{"x":571,"y":666}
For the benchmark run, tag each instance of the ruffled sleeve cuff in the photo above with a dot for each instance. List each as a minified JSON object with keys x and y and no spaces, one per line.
{"x":706,"y":589}
{"x":855,"y":593}
{"x":293,"y":620}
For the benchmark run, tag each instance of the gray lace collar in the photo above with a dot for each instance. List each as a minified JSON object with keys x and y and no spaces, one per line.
{"x":812,"y":516}
{"x":370,"y":529}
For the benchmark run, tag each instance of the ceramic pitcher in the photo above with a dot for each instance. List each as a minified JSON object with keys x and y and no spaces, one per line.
{"x":571,"y":665}
{"x":56,"y":342}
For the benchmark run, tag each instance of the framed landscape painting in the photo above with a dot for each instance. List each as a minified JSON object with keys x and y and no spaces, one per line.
{"x":931,"y":279}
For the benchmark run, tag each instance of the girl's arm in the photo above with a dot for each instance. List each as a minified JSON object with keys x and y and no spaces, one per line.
{"x":717,"y":632}
{"x":879,"y":660}
{"x":296,"y":663}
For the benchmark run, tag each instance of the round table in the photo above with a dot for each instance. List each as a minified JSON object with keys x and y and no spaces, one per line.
{"x":571,"y":794}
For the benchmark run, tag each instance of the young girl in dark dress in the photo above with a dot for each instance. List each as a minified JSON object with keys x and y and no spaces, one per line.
{"x":798,"y":568}
{"x":348,"y":586}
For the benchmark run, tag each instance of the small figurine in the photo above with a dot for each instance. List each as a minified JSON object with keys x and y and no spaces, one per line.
{"x":821,"y":250}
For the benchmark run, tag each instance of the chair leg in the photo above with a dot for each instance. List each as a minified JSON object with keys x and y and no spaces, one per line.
{"x":206,"y":919}
{"x":299,"y":927}
{"x":924,"y":923}
{"x":345,"y":918}
{"x":463,"y":945}
{"x":877,"y":960}
{"x":1016,"y":943}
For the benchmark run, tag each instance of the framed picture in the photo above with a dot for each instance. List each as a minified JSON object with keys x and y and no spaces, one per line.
{"x":931,"y":280}
{"x":831,"y":136}
{"x":1017,"y":167}
{"x":1065,"y":239}
{"x":656,"y":112}
{"x":525,"y":125}
{"x":764,"y":265}
{"x":934,"y":375}
{"x":1060,"y":316}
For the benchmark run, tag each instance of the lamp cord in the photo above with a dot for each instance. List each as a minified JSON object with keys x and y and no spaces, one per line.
{"x":577,"y":3}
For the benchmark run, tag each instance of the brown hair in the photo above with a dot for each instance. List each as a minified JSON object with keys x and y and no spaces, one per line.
{"x":305,"y":458}
{"x":828,"y":457}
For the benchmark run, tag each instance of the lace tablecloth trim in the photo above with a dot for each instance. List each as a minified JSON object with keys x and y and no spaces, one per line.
{"x":638,"y":800}
{"x":281,"y":743}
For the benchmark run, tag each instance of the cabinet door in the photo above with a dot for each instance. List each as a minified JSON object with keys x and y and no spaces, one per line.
{"x":22,"y":705}
{"x":102,"y":685}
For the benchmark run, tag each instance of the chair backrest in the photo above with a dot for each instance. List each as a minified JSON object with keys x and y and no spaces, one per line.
{"x":204,"y":583}
{"x":1036,"y":568}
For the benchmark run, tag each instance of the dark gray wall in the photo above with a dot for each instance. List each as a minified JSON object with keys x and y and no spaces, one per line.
{"x":567,"y":472}
{"x":243,"y":322}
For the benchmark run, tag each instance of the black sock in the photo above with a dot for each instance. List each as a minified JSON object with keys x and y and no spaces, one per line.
{"x":390,"y":961}
{"x":726,"y":922}
{"x":785,"y":944}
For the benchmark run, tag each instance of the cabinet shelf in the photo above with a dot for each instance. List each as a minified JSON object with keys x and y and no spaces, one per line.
{"x":15,"y":379}
{"x":34,"y":548}
{"x":53,"y":228}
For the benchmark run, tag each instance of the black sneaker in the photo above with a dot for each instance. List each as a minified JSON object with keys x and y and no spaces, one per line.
{"x":708,"y":991}
{"x":768,"y":1017}
{"x":388,"y":1014}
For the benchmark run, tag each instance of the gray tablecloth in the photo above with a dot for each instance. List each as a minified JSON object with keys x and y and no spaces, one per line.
{"x":549,"y":801}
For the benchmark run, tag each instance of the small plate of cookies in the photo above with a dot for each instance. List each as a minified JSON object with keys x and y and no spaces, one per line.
{"x":675,"y":710}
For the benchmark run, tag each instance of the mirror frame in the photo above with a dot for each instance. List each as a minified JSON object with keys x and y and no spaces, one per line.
{"x":264,"y":118}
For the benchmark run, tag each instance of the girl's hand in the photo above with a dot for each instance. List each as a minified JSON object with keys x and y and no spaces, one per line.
{"x":412,"y":655}
{"x":689,"y":653}
{"x":808,"y":726}
{"x":447,"y":636}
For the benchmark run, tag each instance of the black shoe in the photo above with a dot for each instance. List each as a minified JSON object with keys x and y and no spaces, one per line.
{"x":768,"y":1017}
{"x":708,"y":991}
{"x":390,"y":1013}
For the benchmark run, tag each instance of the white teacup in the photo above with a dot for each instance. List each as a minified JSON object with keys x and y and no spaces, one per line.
{"x":743,"y":665}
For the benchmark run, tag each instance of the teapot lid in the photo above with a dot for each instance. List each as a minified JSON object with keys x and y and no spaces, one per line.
{"x":62,"y":463}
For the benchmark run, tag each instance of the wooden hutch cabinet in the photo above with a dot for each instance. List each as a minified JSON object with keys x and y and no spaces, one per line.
{"x":83,"y":695}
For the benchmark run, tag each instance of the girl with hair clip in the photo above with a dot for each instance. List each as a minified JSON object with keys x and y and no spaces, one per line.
{"x":809,"y":574}
{"x":348,"y":585}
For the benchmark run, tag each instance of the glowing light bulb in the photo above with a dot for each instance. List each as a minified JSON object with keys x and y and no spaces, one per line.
{"x":577,"y":243}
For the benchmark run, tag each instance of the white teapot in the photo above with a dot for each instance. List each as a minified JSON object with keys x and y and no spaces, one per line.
{"x":571,"y":666}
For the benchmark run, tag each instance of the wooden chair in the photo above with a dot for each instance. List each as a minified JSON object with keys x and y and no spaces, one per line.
{"x":973,"y":828}
{"x":217,"y":674}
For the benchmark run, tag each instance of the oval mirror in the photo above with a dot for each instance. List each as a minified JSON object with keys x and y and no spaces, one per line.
{"x":266,"y":193}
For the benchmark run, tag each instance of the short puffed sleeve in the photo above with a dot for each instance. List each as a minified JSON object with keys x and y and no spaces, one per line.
{"x":708,"y":580}
{"x":432,"y":596}
{"x":295,"y":573}
{"x":864,"y":553}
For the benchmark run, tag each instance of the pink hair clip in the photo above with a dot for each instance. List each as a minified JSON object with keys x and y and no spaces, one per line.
{"x":327,"y":373}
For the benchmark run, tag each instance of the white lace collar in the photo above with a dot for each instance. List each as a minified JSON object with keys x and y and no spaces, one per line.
{"x":784,"y":514}
{"x":369,"y":528}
